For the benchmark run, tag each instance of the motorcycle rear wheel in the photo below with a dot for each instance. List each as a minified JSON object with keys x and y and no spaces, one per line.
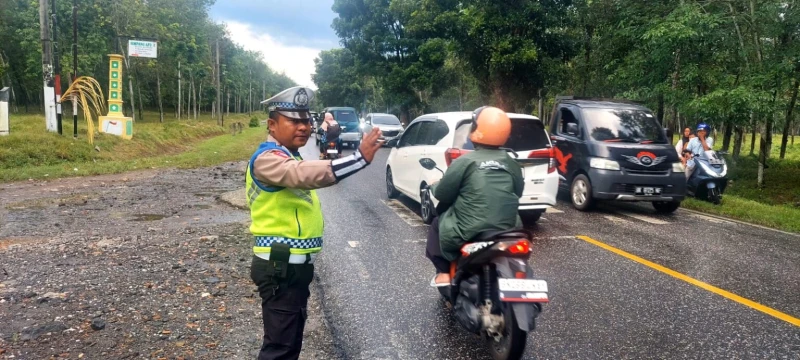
{"x":512,"y":345}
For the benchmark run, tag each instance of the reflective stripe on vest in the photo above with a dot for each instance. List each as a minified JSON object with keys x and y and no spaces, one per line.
{"x":289,"y":216}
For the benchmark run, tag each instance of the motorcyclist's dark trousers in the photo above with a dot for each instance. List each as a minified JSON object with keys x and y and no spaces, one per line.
{"x":433,"y":249}
{"x":284,"y":307}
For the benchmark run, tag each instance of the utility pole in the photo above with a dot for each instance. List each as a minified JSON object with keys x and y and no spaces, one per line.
{"x":250,"y":94}
{"x":57,"y":69}
{"x":47,"y":68}
{"x":74,"y":66}
{"x":219,"y":89}
{"x":179,"y":90}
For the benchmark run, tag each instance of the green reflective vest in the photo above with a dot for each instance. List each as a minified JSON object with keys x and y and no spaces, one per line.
{"x":290,"y":216}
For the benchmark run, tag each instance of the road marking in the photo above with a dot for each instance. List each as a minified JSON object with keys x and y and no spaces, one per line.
{"x":552,"y":210}
{"x":616,"y":220}
{"x":644,"y":218}
{"x":353,"y":243}
{"x":404,"y":213}
{"x":731,"y":296}
{"x":710,"y":219}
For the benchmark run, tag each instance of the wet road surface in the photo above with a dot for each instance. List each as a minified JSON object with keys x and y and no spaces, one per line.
{"x":373,"y":276}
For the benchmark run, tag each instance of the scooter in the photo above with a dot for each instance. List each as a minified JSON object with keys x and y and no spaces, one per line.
{"x":493,"y":291}
{"x":333,"y":148}
{"x":708,"y":180}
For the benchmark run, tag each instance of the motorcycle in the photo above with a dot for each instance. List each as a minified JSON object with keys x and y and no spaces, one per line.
{"x":708,"y":180}
{"x":332,"y":149}
{"x":493,"y":292}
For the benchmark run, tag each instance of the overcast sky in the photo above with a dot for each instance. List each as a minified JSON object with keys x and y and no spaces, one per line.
{"x":290,"y":34}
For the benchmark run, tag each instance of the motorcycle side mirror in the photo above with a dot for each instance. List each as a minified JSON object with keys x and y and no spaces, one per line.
{"x":392,"y":143}
{"x":427,"y":163}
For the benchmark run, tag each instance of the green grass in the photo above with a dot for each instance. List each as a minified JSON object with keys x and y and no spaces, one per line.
{"x":777,"y":204}
{"x":32,"y":153}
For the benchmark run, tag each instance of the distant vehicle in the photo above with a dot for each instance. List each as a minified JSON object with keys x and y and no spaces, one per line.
{"x":442,"y":137}
{"x":348,"y":122}
{"x":389,"y":124}
{"x":615,"y":150}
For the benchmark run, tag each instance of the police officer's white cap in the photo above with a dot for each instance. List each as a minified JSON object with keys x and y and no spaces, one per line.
{"x":292,"y":102}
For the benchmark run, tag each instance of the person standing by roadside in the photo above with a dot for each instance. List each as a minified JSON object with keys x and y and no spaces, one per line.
{"x":287,"y":222}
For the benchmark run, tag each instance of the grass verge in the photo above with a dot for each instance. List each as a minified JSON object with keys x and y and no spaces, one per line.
{"x":31,"y":153}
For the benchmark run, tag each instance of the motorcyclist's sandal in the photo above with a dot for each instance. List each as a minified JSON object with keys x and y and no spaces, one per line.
{"x":435,"y":284}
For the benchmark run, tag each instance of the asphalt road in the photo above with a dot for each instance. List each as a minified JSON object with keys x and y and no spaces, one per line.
{"x":724,"y":289}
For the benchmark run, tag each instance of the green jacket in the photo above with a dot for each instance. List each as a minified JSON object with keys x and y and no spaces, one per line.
{"x":481,"y":192}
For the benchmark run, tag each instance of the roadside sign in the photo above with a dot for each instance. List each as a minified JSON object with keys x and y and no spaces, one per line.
{"x":143,"y":48}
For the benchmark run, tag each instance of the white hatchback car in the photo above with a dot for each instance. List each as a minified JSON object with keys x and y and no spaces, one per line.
{"x":443,"y":138}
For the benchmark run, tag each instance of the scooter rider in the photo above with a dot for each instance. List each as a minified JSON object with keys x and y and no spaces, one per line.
{"x":699,"y":145}
{"x":287,"y":223}
{"x":326,"y":124}
{"x":480,"y":190}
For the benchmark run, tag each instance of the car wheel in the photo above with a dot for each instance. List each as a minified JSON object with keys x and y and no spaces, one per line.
{"x":530,"y":217}
{"x":391,"y":191}
{"x":666,"y":207}
{"x":427,"y":210}
{"x":581,"y":193}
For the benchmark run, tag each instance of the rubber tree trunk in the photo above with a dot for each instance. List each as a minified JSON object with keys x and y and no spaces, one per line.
{"x":789,"y":117}
{"x":726,"y":139}
{"x":753,"y":137}
{"x":737,"y":141}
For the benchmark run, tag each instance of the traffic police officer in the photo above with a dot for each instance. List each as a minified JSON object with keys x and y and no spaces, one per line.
{"x":287,"y":223}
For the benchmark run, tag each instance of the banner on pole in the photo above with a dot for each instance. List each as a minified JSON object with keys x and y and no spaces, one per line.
{"x":142,"y":48}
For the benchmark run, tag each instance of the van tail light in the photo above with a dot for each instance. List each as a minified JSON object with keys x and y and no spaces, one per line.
{"x":521,"y":247}
{"x":547,"y":153}
{"x":452,"y":154}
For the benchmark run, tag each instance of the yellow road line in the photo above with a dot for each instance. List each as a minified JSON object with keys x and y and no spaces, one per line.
{"x":752,"y":304}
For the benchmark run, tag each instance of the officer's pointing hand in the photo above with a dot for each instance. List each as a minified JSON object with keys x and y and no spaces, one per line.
{"x":370,"y":144}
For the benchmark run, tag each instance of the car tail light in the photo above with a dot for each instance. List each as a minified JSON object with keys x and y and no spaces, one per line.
{"x":521,"y":247}
{"x":545,"y":154}
{"x":452,"y":154}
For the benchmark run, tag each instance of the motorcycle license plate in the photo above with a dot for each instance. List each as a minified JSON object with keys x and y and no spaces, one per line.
{"x":522,"y":290}
{"x":333,"y":151}
{"x":648,"y":191}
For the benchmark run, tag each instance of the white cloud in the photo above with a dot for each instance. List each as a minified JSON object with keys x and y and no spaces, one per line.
{"x":297,"y":62}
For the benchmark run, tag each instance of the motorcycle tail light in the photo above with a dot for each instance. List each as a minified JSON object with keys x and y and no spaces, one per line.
{"x":521,"y":247}
{"x":519,"y":275}
{"x":332,"y":144}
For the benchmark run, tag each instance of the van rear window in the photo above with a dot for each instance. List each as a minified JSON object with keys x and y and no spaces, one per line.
{"x":526,"y":134}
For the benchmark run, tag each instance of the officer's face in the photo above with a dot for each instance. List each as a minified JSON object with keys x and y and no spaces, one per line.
{"x":291,"y":133}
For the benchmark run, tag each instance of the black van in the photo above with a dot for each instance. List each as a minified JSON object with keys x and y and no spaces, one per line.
{"x":614,"y":150}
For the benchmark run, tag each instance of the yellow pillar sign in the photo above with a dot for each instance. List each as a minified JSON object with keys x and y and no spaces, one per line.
{"x":115,"y":122}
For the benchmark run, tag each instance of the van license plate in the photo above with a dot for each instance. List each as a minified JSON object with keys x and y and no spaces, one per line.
{"x":648,"y":191}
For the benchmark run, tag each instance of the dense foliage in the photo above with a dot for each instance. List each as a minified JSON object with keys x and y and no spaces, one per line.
{"x":732,"y":63}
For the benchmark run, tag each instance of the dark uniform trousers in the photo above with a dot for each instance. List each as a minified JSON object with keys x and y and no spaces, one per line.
{"x":283,"y":305}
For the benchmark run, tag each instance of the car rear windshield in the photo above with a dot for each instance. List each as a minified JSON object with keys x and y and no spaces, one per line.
{"x":623,"y":125}
{"x":385,"y":120}
{"x":346,"y":118}
{"x":526,"y":134}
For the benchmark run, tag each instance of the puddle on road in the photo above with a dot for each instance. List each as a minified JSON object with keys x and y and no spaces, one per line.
{"x":147,"y":217}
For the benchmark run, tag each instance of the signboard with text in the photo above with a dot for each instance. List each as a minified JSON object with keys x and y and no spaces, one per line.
{"x":142,"y":48}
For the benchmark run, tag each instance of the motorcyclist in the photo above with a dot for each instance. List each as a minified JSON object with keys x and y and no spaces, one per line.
{"x":699,"y":145}
{"x":328,"y":122}
{"x":480,"y":191}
